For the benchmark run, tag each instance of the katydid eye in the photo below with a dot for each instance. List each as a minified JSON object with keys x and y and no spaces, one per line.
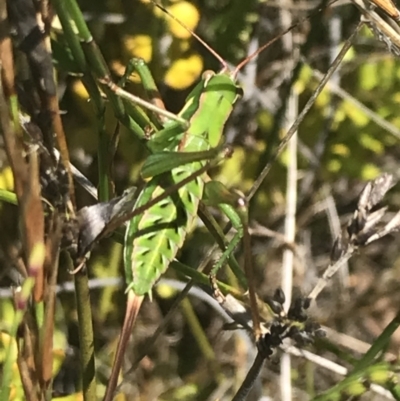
{"x":207,"y":75}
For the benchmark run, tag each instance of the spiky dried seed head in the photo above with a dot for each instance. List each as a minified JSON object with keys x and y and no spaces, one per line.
{"x":339,"y":248}
{"x":378,"y":189}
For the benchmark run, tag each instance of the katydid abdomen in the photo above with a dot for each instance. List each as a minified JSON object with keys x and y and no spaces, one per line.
{"x":154,"y":238}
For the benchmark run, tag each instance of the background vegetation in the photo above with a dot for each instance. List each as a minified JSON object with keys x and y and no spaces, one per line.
{"x":350,"y":136}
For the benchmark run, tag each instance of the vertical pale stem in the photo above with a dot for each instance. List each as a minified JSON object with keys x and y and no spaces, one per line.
{"x":291,"y":200}
{"x":290,"y":231}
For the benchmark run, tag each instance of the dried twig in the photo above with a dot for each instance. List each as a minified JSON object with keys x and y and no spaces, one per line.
{"x":365,"y":227}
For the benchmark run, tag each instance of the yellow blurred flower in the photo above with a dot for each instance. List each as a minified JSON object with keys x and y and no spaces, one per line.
{"x":138,"y":46}
{"x":188,"y":14}
{"x":184,"y":72}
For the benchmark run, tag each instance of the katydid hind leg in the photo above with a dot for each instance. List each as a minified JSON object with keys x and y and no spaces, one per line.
{"x":235,"y":209}
{"x":237,"y":213}
{"x":239,"y":219}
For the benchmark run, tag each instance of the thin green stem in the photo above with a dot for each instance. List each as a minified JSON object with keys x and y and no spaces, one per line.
{"x":379,"y":345}
{"x":367,"y":366}
{"x":65,"y":17}
{"x":200,"y":337}
{"x":86,"y":339}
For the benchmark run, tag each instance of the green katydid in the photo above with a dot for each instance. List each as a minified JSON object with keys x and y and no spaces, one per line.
{"x":180,"y":146}
{"x":154,"y":238}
